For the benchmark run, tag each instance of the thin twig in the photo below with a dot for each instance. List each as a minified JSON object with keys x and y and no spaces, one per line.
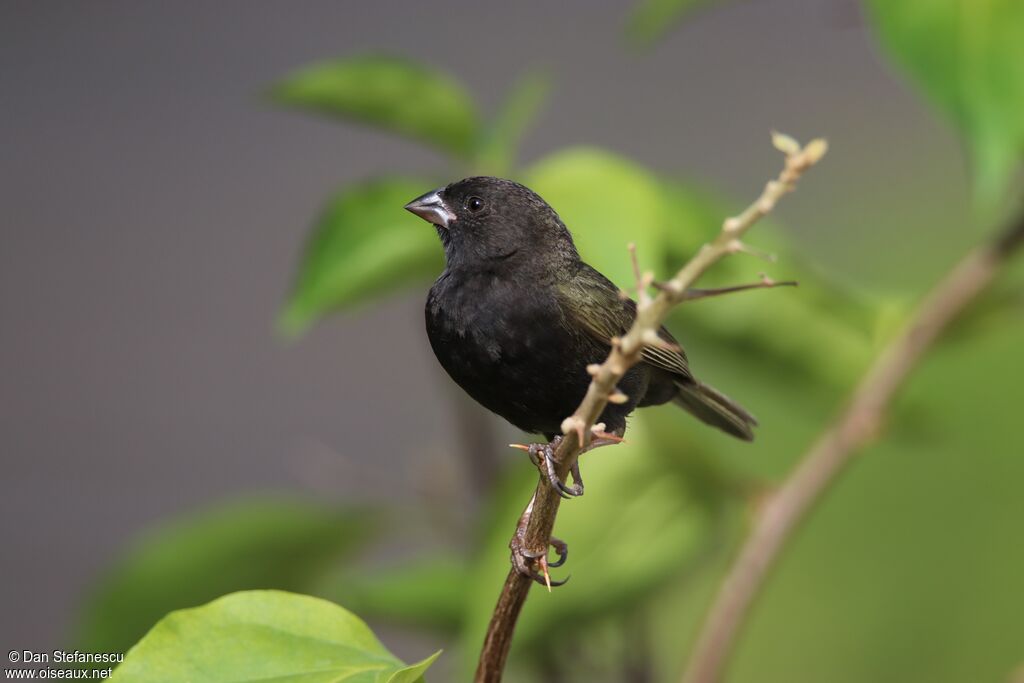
{"x":626,"y":352}
{"x":855,"y":427}
{"x":765,"y":283}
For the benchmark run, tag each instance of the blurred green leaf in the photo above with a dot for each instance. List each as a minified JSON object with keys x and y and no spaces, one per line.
{"x":497,"y":155}
{"x":364,"y":244}
{"x":652,"y":19}
{"x":607,"y":202}
{"x":424,"y":592}
{"x":390,"y":93}
{"x":820,"y":327}
{"x":265,"y":636}
{"x":258,"y":543}
{"x":968,"y":57}
{"x":638,"y":526}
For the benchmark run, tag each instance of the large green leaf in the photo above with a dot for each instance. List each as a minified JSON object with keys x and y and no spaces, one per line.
{"x":607,"y":202}
{"x":968,"y":57}
{"x":652,"y":19}
{"x":364,"y":244}
{"x":390,"y":93}
{"x":265,"y":636}
{"x":258,"y":543}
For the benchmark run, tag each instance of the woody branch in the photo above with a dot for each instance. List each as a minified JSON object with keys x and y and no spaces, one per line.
{"x":540,"y":514}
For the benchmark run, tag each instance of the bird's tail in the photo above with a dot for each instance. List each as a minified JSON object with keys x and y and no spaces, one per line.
{"x":716,"y":409}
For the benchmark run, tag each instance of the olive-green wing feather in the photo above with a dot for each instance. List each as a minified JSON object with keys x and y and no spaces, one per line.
{"x":594,"y":304}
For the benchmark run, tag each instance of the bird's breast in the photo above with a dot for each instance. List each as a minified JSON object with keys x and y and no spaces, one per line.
{"x":507,"y":345}
{"x":492,"y":320}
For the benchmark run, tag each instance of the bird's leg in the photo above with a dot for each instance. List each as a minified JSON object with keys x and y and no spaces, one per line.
{"x":565,"y":491}
{"x":524,"y":559}
{"x":547,"y":465}
{"x":527,"y":561}
{"x":599,"y":438}
{"x":543,"y":456}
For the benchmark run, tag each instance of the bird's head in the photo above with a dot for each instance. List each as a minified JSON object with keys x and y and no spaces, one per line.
{"x":483,"y":220}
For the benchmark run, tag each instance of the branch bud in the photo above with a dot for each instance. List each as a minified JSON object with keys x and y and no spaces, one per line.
{"x":815,"y":150}
{"x":785,"y":143}
{"x":617,"y":397}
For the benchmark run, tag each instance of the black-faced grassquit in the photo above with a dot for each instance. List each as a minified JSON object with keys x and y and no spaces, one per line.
{"x":516,"y":317}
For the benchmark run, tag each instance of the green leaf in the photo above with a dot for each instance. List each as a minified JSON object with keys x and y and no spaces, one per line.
{"x":652,"y":19}
{"x":497,"y":155}
{"x":265,"y":636}
{"x":257,"y":543}
{"x":968,"y":57}
{"x":425,"y":592}
{"x":363,"y":245}
{"x":390,"y":93}
{"x":607,"y":202}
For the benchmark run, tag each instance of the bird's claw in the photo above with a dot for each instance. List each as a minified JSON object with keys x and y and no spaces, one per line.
{"x":537,"y":451}
{"x":524,"y":560}
{"x":563,"y":489}
{"x":562,"y":548}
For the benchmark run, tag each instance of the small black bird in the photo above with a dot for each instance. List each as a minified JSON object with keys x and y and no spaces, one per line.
{"x":516,"y":317}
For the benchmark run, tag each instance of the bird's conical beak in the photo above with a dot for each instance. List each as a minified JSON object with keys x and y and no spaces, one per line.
{"x":431,"y":208}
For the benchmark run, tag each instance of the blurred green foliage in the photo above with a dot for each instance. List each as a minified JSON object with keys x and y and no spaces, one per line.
{"x":360,"y":248}
{"x":394,"y":94}
{"x":650,"y":20}
{"x":500,"y":145}
{"x":910,"y":568}
{"x":426,"y":592}
{"x":968,"y":57}
{"x":252,"y":543}
{"x":603,"y":194}
{"x":298,"y":638}
{"x":910,"y":571}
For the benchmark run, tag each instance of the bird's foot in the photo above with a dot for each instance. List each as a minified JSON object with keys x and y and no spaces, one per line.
{"x":527,"y":562}
{"x":543,"y":456}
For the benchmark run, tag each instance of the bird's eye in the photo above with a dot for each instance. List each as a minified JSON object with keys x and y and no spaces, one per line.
{"x":474,"y":204}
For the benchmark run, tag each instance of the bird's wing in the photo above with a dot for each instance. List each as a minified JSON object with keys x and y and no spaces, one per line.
{"x":593,"y":302}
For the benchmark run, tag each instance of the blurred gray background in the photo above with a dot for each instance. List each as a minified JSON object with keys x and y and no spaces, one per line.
{"x":153,"y":206}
